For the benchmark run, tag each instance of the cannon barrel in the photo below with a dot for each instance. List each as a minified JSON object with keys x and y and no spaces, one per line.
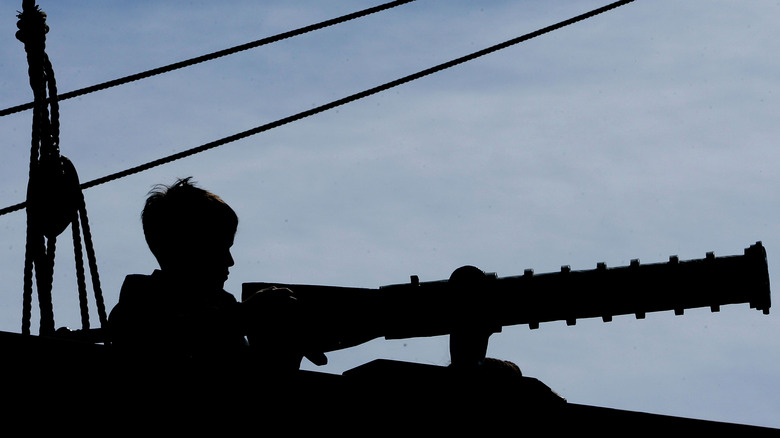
{"x":472,"y":300}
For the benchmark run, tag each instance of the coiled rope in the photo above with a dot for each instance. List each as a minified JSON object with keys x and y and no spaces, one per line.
{"x":54,"y":197}
{"x":336,"y":103}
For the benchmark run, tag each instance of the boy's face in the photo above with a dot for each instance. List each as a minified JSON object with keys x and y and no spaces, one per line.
{"x":204,"y":262}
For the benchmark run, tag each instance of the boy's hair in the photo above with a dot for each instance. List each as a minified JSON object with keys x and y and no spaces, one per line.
{"x":176,"y":216}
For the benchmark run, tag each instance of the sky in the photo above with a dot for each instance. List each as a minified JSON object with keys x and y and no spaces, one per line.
{"x":646,"y":132}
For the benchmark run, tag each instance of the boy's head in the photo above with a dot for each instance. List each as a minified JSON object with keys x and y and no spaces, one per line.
{"x":190,"y":231}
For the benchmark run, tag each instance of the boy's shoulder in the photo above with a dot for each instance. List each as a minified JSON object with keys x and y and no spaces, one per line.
{"x":140,"y":286}
{"x":156,"y":287}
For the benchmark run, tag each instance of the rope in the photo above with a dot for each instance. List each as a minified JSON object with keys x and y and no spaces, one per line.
{"x":93,"y":269}
{"x":45,"y":282}
{"x":337,"y":103}
{"x":53,"y":192}
{"x":80,"y":278}
{"x":39,"y":253}
{"x":81,"y":213}
{"x":212,"y":56}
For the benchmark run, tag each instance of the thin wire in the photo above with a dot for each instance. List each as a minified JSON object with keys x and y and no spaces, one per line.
{"x":211,"y":56}
{"x":337,"y":103}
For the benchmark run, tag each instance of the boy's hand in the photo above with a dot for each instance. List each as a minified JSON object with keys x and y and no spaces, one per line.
{"x":276,"y":322}
{"x":270,"y":297}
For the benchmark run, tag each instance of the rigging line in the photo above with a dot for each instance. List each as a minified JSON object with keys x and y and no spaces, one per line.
{"x":338,"y":102}
{"x":214,"y":55}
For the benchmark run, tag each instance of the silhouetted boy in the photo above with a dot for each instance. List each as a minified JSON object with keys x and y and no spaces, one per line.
{"x":181,"y":311}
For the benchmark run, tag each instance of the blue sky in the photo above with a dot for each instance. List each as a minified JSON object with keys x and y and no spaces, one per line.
{"x":646,"y":132}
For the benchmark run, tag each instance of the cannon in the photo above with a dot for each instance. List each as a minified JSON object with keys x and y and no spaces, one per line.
{"x":472,"y":304}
